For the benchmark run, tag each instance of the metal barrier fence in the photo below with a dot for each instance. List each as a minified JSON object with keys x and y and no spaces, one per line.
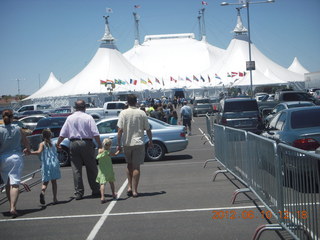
{"x":285,"y":179}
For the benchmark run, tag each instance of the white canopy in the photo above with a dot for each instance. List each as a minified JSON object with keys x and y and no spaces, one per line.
{"x":51,"y":84}
{"x":174,"y":57}
{"x":297,"y":67}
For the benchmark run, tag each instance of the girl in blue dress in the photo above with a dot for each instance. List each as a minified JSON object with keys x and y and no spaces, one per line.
{"x":50,"y":167}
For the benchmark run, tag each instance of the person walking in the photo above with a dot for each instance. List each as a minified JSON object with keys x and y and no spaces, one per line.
{"x":50,"y":168}
{"x":105,"y":169}
{"x":186,"y":116}
{"x":174,"y":118}
{"x":11,"y":161}
{"x":132,"y":123}
{"x":81,"y":129}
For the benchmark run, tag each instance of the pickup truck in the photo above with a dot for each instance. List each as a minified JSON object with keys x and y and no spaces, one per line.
{"x":33,"y":107}
{"x":109,"y":109}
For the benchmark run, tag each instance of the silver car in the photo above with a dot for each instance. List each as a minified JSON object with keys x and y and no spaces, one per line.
{"x":166,"y":139}
{"x":297,"y":127}
{"x":30,"y":122}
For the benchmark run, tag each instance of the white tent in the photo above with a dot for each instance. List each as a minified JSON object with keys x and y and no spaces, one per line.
{"x":51,"y":84}
{"x":297,"y":67}
{"x":107,"y":65}
{"x":173,"y":58}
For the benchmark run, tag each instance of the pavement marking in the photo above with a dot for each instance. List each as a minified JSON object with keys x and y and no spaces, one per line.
{"x":106,"y":213}
{"x":202,"y":132}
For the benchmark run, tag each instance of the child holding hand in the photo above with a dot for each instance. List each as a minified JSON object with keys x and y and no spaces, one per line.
{"x":105,"y":169}
{"x":50,"y":167}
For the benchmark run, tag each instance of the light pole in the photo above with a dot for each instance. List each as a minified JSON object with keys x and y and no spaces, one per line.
{"x":245,"y":4}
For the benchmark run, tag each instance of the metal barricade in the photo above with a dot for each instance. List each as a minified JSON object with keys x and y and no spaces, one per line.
{"x":301,"y":192}
{"x":285,"y":179}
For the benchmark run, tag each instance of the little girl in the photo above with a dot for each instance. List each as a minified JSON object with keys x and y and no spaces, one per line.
{"x":174,"y":118}
{"x":50,"y":167}
{"x":105,"y":169}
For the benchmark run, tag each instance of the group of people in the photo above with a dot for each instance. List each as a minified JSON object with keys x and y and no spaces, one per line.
{"x":167,"y":112}
{"x":80,"y":128}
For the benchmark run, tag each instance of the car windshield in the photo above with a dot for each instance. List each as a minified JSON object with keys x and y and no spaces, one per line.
{"x":305,"y":119}
{"x":297,"y":97}
{"x":241,"y":106}
{"x":52,"y":122}
{"x":201,"y":101}
{"x":300,"y":105}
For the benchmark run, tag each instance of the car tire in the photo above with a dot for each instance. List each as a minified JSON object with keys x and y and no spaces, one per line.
{"x":156,"y":153}
{"x":64,"y":157}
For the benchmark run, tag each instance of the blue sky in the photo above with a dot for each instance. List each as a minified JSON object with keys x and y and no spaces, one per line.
{"x":61,"y":36}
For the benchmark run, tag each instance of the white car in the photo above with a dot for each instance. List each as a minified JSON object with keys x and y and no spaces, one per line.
{"x":31,"y":121}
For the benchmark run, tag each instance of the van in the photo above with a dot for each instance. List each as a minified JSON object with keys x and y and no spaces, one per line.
{"x":113,"y":108}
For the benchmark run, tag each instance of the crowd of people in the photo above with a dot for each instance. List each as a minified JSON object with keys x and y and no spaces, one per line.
{"x":80,"y":128}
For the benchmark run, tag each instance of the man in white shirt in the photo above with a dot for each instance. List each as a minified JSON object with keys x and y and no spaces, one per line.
{"x":131,"y":126}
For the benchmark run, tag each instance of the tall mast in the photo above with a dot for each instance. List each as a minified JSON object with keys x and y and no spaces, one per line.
{"x":136,"y":28}
{"x":204,"y":38}
{"x":200,"y":29}
{"x":239,"y":29}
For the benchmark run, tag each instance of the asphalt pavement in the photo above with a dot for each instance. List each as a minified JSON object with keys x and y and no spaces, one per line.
{"x":178,"y":200}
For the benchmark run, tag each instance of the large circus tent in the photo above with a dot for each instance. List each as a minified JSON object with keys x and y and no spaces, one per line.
{"x":163,"y":63}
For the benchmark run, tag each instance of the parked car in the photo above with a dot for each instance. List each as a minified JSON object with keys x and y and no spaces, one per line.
{"x":31,"y":122}
{"x":282,"y":106}
{"x":53,"y":123}
{"x":29,"y":113}
{"x":240,"y":113}
{"x":166,"y":139}
{"x":297,"y":127}
{"x":61,"y":112}
{"x":201,"y":107}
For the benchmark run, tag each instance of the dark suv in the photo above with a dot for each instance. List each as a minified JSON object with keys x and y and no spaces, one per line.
{"x":240,"y":113}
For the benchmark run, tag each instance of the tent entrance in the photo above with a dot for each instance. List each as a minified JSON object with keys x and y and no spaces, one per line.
{"x":179,"y":93}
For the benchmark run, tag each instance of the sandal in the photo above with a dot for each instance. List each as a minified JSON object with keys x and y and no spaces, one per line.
{"x":129,"y":193}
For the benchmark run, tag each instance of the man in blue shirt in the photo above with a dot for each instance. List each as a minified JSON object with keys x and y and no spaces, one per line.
{"x":186,"y":116}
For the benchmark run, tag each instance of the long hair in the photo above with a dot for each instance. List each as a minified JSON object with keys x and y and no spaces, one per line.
{"x":46,"y":135}
{"x":7,"y":116}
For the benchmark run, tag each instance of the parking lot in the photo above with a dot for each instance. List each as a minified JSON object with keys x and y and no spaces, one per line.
{"x":178,"y":201}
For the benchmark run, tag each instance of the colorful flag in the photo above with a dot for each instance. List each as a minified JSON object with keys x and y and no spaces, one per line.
{"x":157,"y":80}
{"x":149,"y":81}
{"x":216,"y":76}
{"x":202,"y":78}
{"x":180,"y":78}
{"x":241,"y":74}
{"x":228,"y":75}
{"x":209,"y":80}
{"x":204,"y":3}
{"x":234,"y":74}
{"x":195,"y":78}
{"x":135,"y":82}
{"x":172,"y":79}
{"x":143,"y":81}
{"x":109,"y":81}
{"x":137,"y":6}
{"x":103,"y":82}
{"x":188,"y":79}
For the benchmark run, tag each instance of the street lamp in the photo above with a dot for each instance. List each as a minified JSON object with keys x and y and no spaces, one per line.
{"x":245,"y":4}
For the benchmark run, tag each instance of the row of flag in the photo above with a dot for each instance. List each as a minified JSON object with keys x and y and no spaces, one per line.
{"x":172,"y":79}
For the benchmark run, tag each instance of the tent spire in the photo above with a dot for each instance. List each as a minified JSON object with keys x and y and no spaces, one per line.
{"x":136,"y":27}
{"x":107,"y":34}
{"x":203,"y":28}
{"x":239,"y":29}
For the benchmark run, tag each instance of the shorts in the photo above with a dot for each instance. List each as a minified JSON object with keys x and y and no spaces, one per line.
{"x":134,"y":154}
{"x":186,"y":122}
{"x":11,"y":167}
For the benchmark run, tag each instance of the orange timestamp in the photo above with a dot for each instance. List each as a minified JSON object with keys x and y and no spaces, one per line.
{"x":250,"y":214}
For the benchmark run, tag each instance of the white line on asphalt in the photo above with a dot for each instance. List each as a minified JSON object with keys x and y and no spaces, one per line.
{"x":202,"y":132}
{"x":106,"y":213}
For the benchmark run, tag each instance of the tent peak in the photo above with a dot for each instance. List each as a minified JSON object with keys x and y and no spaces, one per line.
{"x":107,"y":37}
{"x":239,"y":29}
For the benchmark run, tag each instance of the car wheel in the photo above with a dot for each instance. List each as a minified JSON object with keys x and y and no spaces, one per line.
{"x":64,"y":157}
{"x":156,"y":153}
